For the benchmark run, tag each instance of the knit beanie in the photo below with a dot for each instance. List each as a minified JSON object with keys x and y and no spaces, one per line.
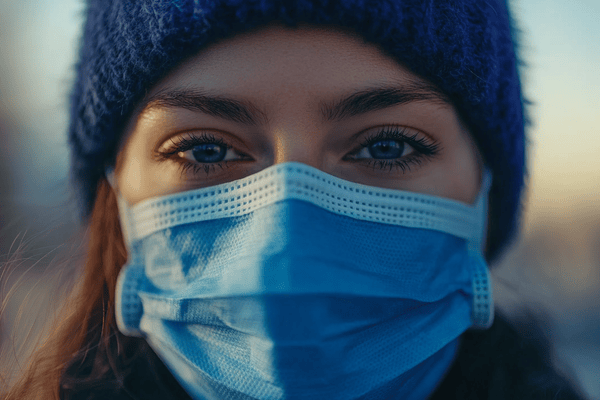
{"x":467,"y":48}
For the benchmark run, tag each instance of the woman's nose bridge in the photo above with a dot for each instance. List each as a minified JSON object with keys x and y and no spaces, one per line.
{"x":300,"y":144}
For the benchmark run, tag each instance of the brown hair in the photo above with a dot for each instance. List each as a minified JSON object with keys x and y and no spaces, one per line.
{"x":85,"y":353}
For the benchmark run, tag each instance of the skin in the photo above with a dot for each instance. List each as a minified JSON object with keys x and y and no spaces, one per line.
{"x":288,"y":75}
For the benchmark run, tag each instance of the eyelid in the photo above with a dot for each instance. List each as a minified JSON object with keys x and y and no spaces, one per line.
{"x":393,"y":127}
{"x":424,"y":149}
{"x":228,"y":139}
{"x":419,"y":140}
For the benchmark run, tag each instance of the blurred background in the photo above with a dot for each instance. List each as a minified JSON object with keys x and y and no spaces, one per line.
{"x":554,"y":267}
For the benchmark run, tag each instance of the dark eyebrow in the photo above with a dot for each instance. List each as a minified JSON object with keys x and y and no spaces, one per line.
{"x":216,"y":106}
{"x":358,"y":102}
{"x":379,"y":98}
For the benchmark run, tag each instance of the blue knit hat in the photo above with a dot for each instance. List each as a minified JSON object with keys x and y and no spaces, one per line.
{"x":467,"y":48}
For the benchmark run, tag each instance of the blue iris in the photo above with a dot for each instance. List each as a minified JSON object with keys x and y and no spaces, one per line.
{"x":209,"y":153}
{"x":386,"y":149}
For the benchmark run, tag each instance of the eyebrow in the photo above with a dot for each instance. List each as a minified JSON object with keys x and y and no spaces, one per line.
{"x":201,"y":101}
{"x":358,"y":102}
{"x":379,"y":98}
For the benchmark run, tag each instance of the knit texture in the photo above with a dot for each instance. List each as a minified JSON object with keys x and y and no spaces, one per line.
{"x":467,"y":48}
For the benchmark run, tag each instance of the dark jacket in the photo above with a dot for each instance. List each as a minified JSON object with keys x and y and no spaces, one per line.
{"x":500,"y":364}
{"x":495,"y":364}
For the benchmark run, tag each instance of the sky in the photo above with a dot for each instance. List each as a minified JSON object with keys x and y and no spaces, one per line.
{"x":560,"y":47}
{"x":562,"y":52}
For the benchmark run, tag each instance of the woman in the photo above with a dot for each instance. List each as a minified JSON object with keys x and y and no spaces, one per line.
{"x":294,"y":200}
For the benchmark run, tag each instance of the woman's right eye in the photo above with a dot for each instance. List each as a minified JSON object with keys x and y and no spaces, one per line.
{"x":201,"y":152}
{"x":207,"y":153}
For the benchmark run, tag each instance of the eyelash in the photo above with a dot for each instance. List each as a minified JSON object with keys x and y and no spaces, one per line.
{"x":423,"y":149}
{"x":188,"y":142}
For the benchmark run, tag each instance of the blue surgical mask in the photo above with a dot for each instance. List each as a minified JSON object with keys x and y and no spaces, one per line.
{"x":294,"y":284}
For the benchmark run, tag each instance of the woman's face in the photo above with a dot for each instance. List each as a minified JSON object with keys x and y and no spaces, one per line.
{"x":312,"y":95}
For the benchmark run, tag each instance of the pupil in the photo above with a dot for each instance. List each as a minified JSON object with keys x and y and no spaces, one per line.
{"x":209,"y":153}
{"x":386,"y":149}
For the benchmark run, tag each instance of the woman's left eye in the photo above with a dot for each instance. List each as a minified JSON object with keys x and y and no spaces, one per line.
{"x":394,"y":147}
{"x":385,"y":150}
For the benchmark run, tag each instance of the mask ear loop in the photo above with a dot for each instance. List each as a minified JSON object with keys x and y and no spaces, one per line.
{"x":482,"y":314}
{"x":128,"y":305}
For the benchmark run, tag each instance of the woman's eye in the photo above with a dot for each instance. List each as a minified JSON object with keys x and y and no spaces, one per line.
{"x":199,"y":152}
{"x":394,"y":148}
{"x":207,"y":153}
{"x":385,"y":150}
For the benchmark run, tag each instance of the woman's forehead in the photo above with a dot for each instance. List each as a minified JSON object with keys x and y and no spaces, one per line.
{"x":275,"y":63}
